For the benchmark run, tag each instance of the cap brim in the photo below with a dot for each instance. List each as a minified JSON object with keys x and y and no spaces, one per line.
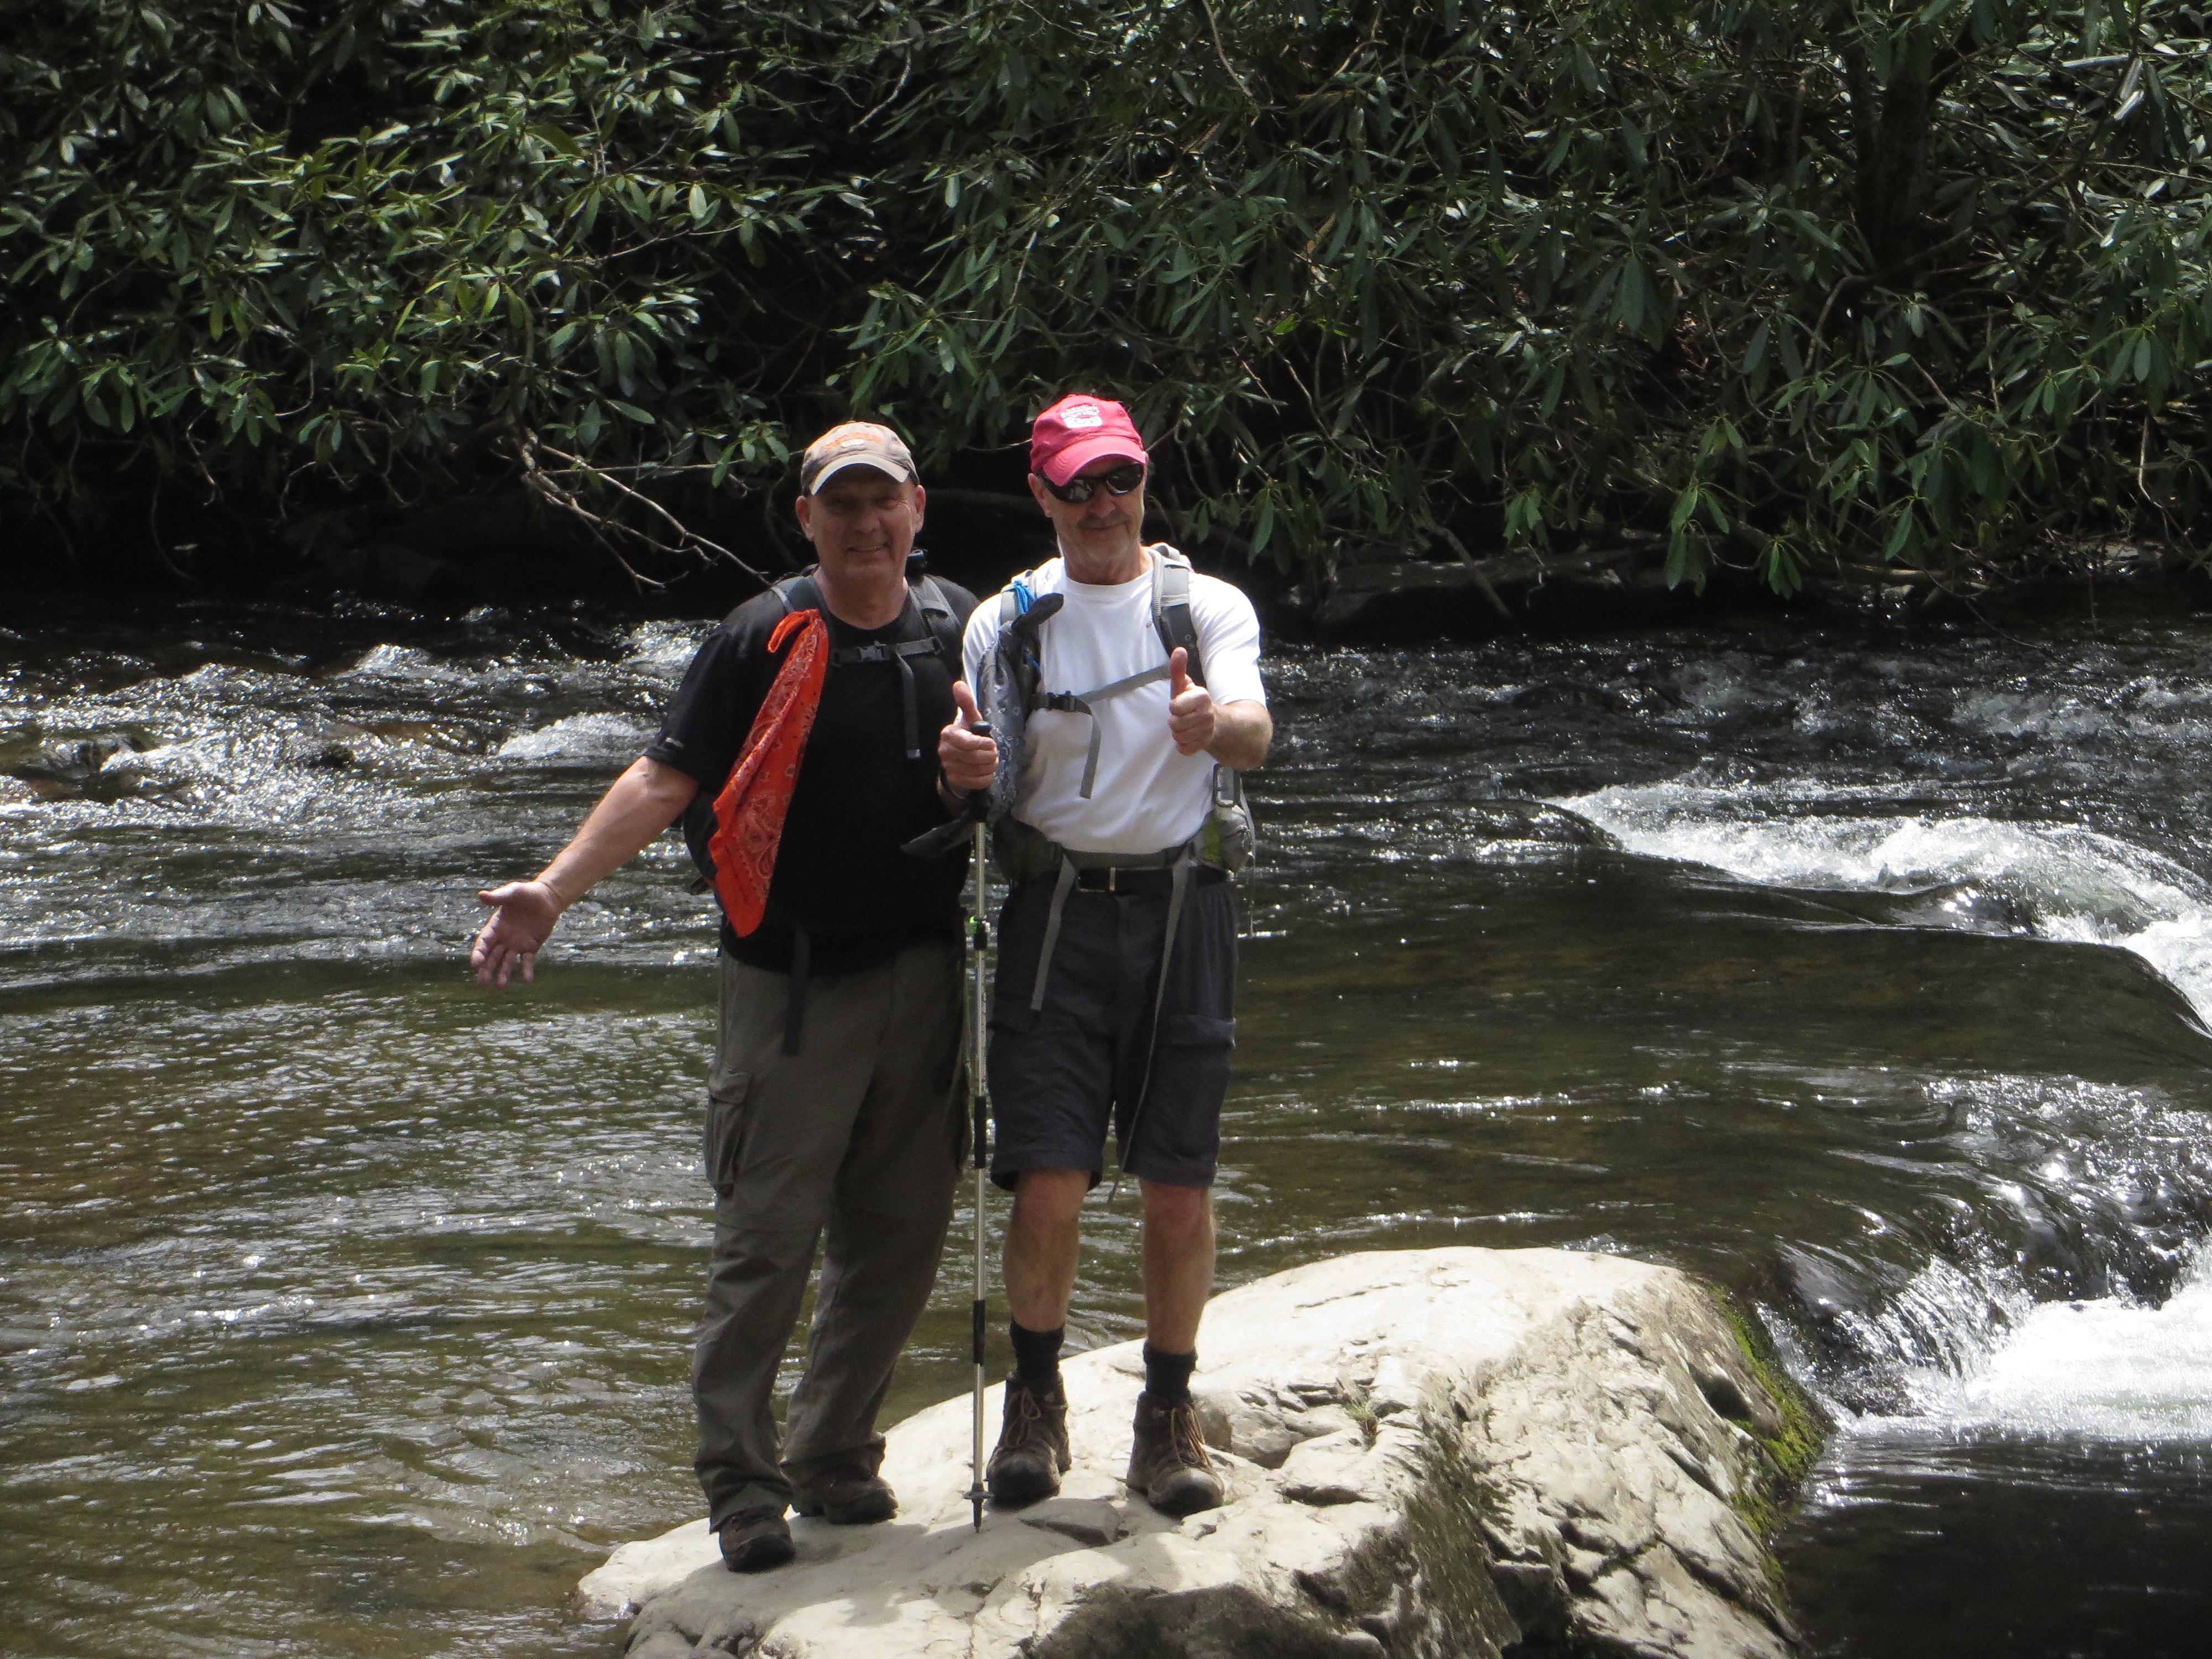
{"x":1084,"y":451}
{"x":877,"y":464}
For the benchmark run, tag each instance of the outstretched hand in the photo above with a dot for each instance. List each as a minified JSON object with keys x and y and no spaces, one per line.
{"x":1190,"y":707}
{"x":970,"y":759}
{"x":522,"y":917}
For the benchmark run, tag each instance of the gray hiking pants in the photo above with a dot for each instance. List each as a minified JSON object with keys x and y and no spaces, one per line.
{"x":861,"y":1133}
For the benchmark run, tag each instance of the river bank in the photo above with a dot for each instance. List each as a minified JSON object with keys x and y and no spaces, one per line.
{"x":1863,"y":970}
{"x":505,"y":552}
{"x":1625,"y":585}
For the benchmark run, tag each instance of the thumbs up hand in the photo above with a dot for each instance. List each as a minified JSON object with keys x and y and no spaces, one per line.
{"x":968,"y":758}
{"x":1190,"y":707}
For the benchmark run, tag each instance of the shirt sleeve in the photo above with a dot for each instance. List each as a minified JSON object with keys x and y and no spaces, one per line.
{"x":1228,"y":639}
{"x":706,"y":720}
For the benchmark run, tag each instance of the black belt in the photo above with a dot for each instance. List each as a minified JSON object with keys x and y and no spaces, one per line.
{"x":1135,"y":880}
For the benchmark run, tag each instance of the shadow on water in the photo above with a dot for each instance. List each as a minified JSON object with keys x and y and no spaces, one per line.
{"x":344,"y":1306}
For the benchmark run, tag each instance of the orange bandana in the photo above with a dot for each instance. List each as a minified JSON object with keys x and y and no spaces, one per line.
{"x":749,"y":811}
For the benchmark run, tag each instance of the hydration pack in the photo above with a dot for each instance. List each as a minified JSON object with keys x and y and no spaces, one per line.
{"x":1227,"y":839}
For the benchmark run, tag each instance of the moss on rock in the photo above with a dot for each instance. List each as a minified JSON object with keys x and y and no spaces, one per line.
{"x":1789,"y":1436}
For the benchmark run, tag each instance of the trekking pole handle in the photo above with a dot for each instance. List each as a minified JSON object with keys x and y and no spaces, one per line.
{"x":978,"y":799}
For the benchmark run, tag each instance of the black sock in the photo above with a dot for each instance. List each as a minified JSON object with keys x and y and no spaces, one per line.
{"x":1167,"y":1375}
{"x":1036,"y":1356}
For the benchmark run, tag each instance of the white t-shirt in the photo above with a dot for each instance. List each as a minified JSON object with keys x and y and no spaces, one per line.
{"x":1146,"y":797}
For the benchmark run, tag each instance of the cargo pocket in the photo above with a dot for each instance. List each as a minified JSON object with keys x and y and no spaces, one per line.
{"x":724,"y":1143}
{"x":1197,"y":1031}
{"x":1191,"y":1061}
{"x":1177,"y":1137}
{"x":1012,"y":1063}
{"x":1191,"y":1068}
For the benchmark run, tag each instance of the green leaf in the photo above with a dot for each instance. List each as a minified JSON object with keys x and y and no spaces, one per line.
{"x":1755,"y":353}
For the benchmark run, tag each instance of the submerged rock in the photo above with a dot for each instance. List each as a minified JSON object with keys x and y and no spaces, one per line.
{"x":1450,"y":1454}
{"x":72,"y":761}
{"x":1969,"y":906}
{"x":1508,"y":817}
{"x":73,"y":768}
{"x":1966,"y":907}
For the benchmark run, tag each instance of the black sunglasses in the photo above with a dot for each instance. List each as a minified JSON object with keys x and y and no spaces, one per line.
{"x":1120,"y":482}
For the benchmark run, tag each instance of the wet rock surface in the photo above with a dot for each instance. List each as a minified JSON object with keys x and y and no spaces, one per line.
{"x":1456,"y":1453}
{"x":99,"y":767}
{"x":1507,"y":819}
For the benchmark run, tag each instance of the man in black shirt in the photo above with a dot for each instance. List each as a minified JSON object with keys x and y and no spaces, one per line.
{"x":832,"y":1099}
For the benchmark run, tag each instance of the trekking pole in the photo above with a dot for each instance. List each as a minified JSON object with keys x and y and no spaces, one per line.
{"x":979,"y":1106}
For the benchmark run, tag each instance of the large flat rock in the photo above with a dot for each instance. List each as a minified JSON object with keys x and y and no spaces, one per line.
{"x":1429,"y":1452}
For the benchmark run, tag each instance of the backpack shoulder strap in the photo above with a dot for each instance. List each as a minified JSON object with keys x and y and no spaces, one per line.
{"x":1171,"y":615}
{"x":798,"y":592}
{"x":943,"y":626}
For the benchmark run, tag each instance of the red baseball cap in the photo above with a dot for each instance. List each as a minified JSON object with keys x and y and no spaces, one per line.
{"x":1080,"y":429}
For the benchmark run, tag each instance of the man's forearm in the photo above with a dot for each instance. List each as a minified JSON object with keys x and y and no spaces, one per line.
{"x":641,"y":803}
{"x":1241,"y":732}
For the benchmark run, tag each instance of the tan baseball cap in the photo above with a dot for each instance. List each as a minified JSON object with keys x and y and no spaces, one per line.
{"x":856,"y":443}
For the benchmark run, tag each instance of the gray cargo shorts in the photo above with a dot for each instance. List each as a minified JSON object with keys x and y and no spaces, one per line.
{"x":1062,"y":1073}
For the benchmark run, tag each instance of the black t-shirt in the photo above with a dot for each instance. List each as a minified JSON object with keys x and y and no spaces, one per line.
{"x":839,"y":872}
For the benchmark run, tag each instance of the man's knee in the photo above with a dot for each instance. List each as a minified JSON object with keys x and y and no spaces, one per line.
{"x":744,"y":1256}
{"x":875,"y":1241}
{"x":1050,"y":1195}
{"x":1176,"y":1210}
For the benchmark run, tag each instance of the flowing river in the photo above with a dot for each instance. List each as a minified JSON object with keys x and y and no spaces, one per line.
{"x":344,"y":1306}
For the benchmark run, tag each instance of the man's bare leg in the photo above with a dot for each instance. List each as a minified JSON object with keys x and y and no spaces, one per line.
{"x":1043,"y":1239}
{"x":1178,"y":1263}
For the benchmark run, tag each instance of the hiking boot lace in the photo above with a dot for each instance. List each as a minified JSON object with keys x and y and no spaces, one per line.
{"x":1025,"y":1422}
{"x":1183,"y":1437}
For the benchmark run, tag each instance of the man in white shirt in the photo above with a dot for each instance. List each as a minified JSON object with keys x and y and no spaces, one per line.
{"x":1098,"y":1015}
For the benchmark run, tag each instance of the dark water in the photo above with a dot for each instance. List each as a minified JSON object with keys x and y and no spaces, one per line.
{"x":344,"y":1306}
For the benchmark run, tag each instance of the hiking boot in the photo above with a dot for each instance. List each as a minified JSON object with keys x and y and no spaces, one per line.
{"x":1032,"y":1450}
{"x":1168,"y":1461}
{"x":846,"y":1495}
{"x":755,"y":1540}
